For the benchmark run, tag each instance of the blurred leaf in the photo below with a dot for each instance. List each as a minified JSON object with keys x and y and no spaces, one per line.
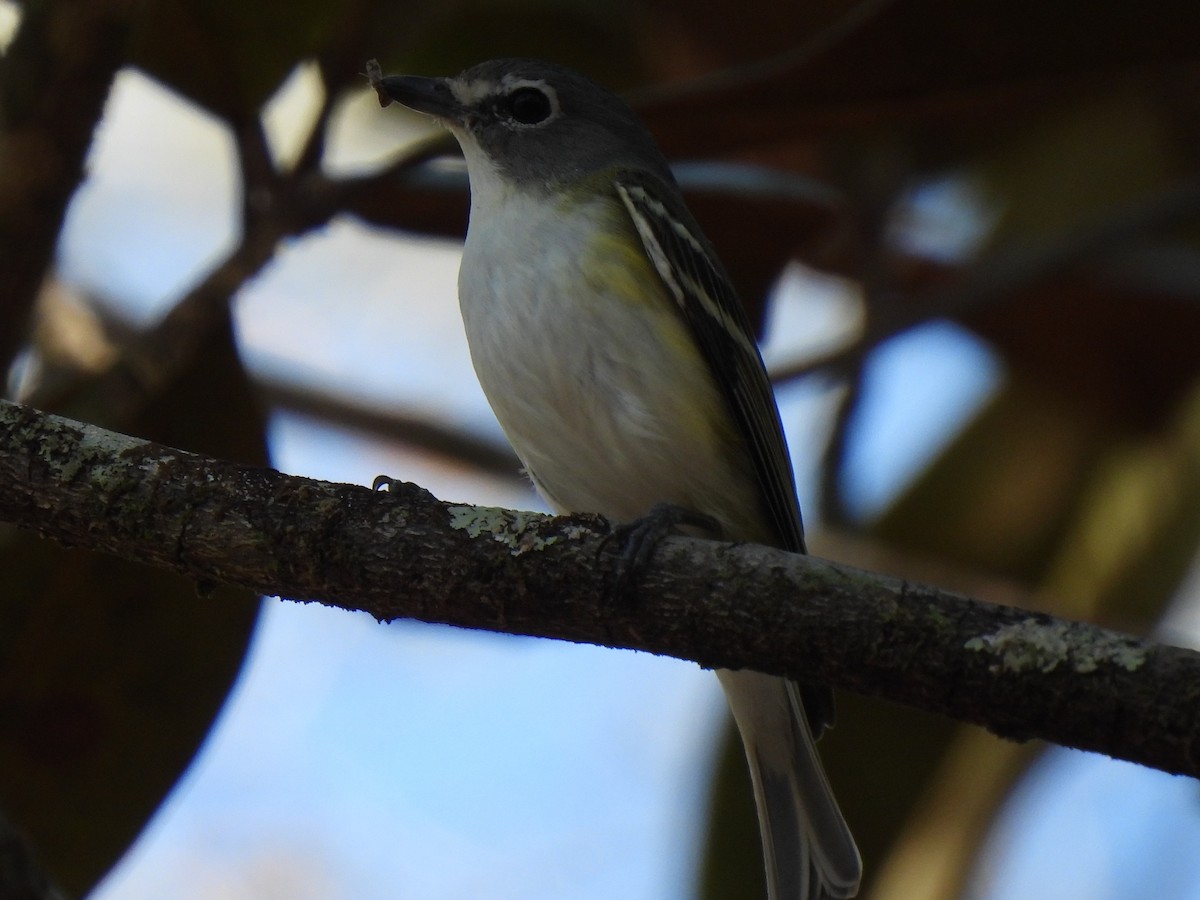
{"x":110,"y":672}
{"x":1126,"y":350}
{"x":878,"y":788}
{"x":933,"y":855}
{"x":230,"y":56}
{"x":1135,"y":535}
{"x":733,"y":856}
{"x":689,"y":39}
{"x":597,"y":38}
{"x":885,"y":64}
{"x":1000,"y":498}
{"x":1101,"y":152}
{"x":1104,"y":524}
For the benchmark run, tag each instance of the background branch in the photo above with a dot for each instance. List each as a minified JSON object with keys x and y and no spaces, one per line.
{"x":405,"y":554}
{"x":53,"y":84}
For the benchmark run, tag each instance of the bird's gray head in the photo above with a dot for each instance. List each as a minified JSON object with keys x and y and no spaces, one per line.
{"x":535,"y":122}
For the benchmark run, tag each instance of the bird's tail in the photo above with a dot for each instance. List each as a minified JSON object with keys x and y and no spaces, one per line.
{"x":809,"y":851}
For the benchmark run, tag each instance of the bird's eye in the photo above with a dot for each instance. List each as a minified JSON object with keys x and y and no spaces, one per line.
{"x":529,"y":106}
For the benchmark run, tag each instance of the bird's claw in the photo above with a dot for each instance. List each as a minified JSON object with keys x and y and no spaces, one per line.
{"x":641,"y":537}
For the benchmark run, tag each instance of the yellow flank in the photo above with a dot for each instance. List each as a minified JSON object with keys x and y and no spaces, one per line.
{"x":616,"y":266}
{"x":613,"y":266}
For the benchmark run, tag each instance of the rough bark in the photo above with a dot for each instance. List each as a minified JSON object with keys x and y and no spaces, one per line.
{"x":403,"y":553}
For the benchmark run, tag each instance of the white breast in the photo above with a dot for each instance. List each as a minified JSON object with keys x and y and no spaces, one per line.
{"x":603,"y":395}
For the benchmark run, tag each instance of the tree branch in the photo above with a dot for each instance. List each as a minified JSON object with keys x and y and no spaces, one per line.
{"x":405,"y":554}
{"x":54,"y":80}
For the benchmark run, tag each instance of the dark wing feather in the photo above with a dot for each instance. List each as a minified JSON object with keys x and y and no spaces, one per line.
{"x":694,"y":276}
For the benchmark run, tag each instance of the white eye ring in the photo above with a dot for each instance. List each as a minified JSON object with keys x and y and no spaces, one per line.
{"x":528,"y":106}
{"x":524,"y":103}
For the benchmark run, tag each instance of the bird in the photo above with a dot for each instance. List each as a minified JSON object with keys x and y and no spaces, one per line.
{"x":623,"y":369}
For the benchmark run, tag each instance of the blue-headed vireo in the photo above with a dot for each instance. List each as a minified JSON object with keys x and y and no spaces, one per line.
{"x":624,"y":371}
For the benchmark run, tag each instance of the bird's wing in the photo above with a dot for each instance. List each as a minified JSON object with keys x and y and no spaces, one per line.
{"x":697,"y":282}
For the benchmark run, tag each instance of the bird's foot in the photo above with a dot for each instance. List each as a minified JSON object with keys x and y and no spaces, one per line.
{"x":639,"y":539}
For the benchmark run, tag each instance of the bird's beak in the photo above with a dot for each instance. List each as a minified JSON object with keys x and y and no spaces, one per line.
{"x":431,"y":96}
